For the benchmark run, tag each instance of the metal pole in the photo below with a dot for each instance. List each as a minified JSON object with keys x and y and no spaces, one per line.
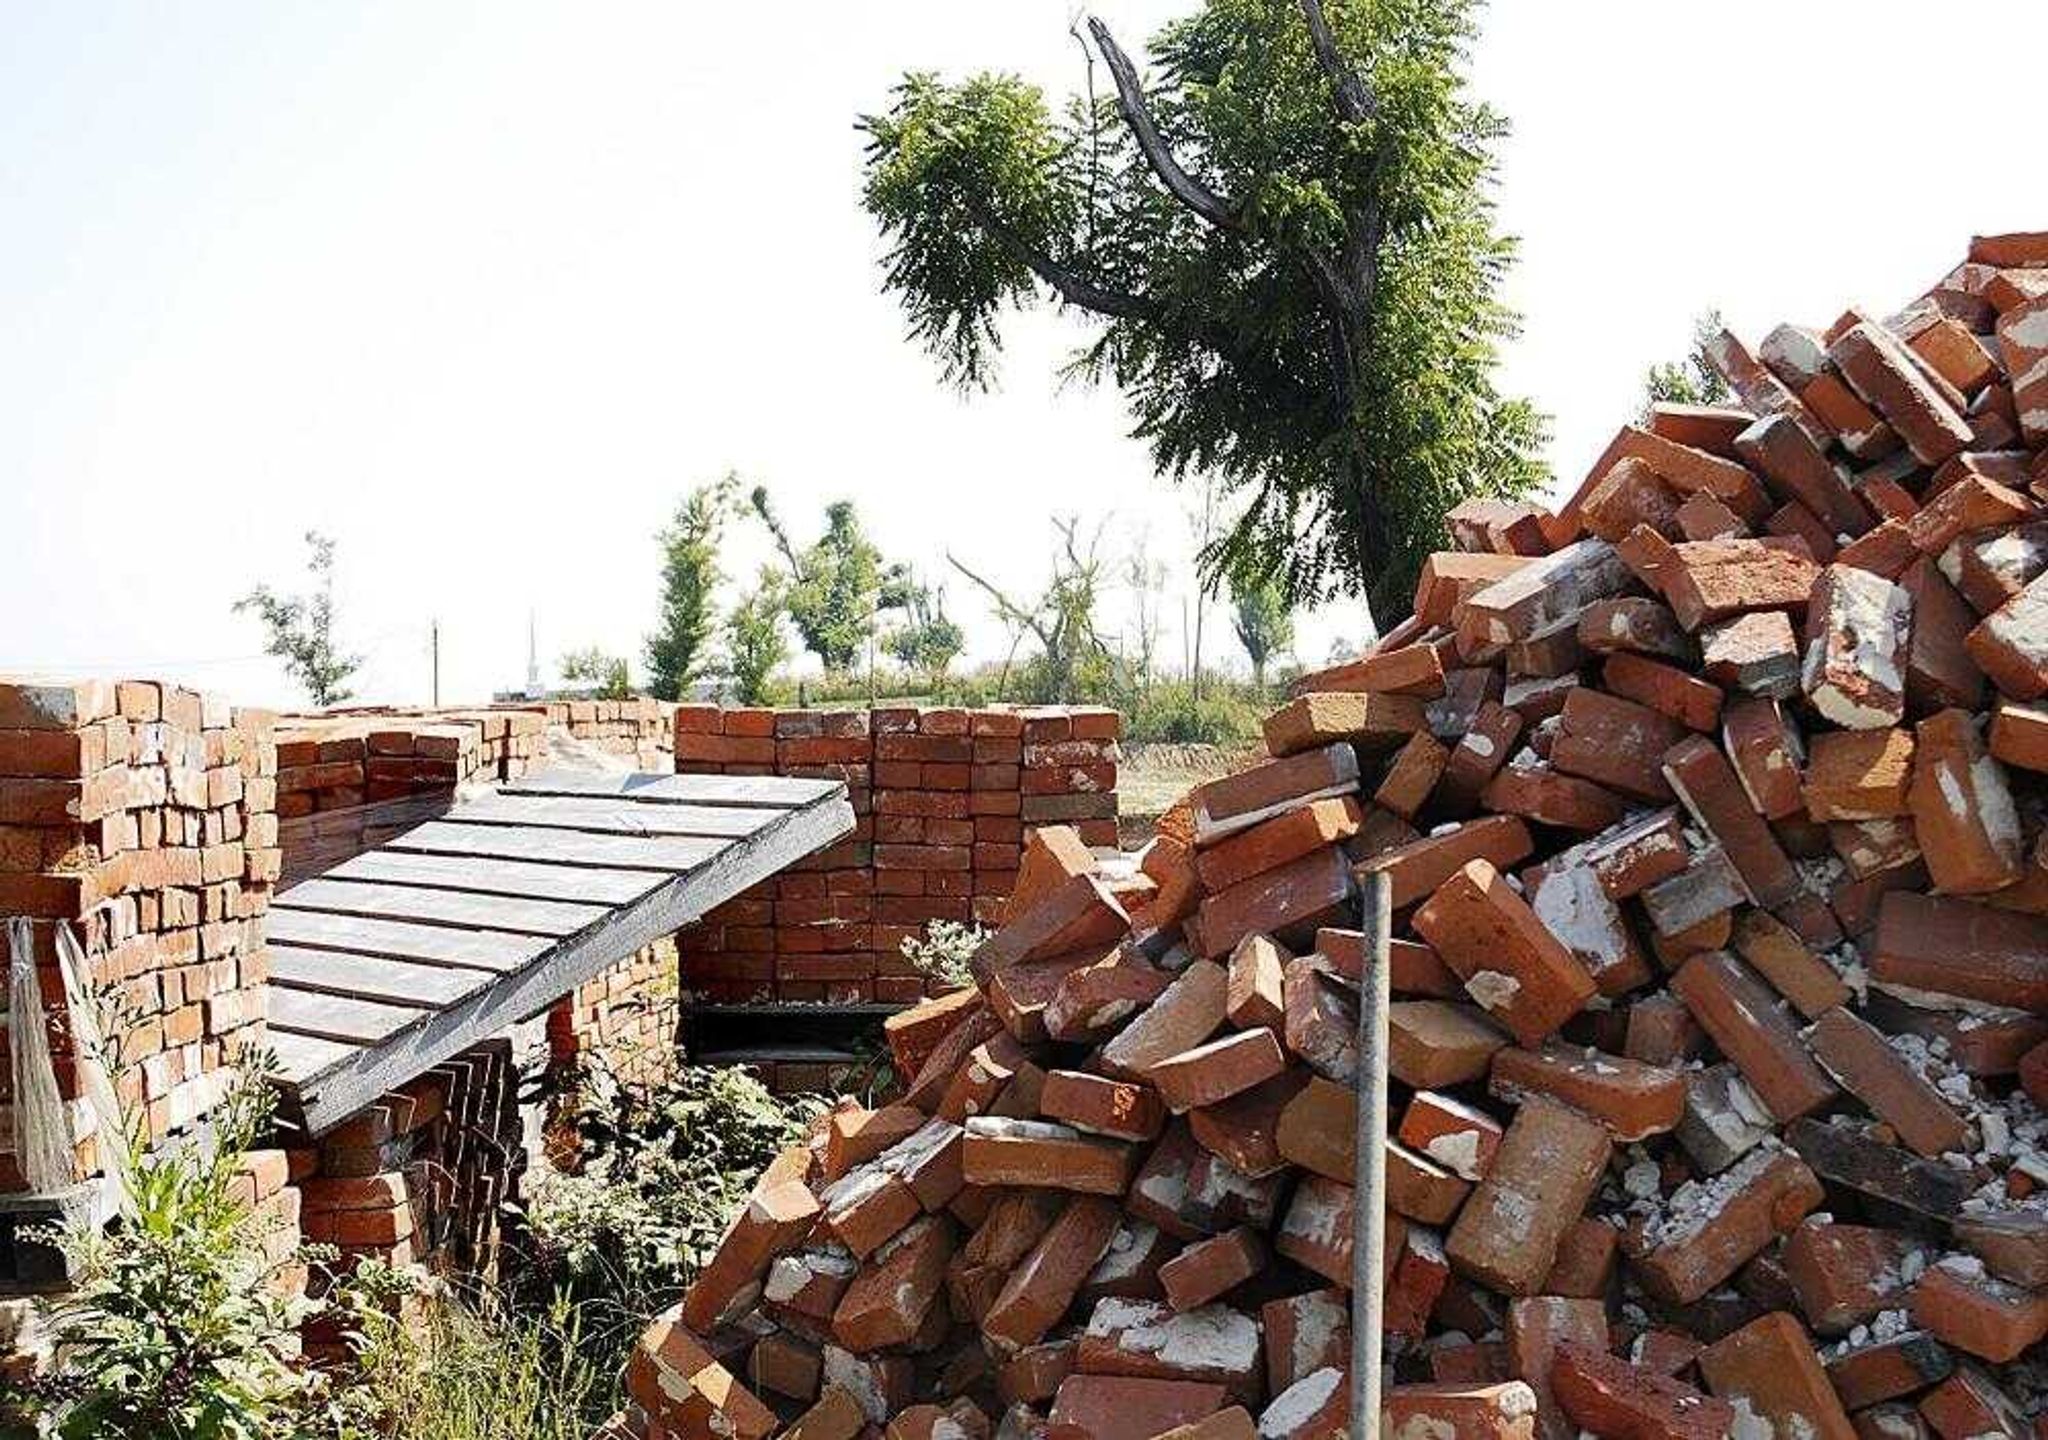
{"x":437,"y":663}
{"x":1369,"y":1179}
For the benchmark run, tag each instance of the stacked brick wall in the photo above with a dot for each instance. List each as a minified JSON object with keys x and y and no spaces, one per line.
{"x":639,"y":730}
{"x":142,"y":815}
{"x":623,"y":1021}
{"x":419,"y":1177}
{"x":349,"y":781}
{"x":943,"y":800}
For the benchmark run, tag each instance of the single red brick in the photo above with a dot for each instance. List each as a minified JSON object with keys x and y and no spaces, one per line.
{"x":1509,"y":960}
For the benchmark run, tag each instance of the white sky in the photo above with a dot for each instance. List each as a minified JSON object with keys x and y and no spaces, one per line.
{"x":481,"y":289}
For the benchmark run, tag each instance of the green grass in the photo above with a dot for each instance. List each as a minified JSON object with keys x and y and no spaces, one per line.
{"x":1227,"y":712}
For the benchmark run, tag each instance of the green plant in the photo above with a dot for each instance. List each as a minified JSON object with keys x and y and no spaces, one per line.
{"x":837,"y":586}
{"x":676,"y":651}
{"x":1171,"y":712}
{"x":870,"y":1075}
{"x":481,"y":1373}
{"x":1695,"y":380}
{"x":1285,"y":246}
{"x":941,"y":953}
{"x":754,"y":645}
{"x":301,"y":628}
{"x":175,"y":1330}
{"x":608,"y":675}
{"x":665,"y":1168}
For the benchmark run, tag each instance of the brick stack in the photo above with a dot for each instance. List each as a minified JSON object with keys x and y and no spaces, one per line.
{"x":943,"y":800}
{"x":420,"y":1176}
{"x":1711,"y":808}
{"x":623,"y":1020}
{"x":639,"y":730}
{"x":143,"y":815}
{"x":262,"y":1186}
{"x":349,"y":781}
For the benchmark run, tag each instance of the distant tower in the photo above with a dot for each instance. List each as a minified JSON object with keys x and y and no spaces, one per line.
{"x":532,"y":661}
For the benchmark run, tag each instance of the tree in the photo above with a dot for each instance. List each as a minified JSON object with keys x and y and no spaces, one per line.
{"x":1287,"y":253}
{"x":608,"y":675}
{"x":1062,"y":618}
{"x":1146,"y":579}
{"x":301,"y":629}
{"x":837,"y":586}
{"x":1264,"y":623}
{"x":927,"y":642}
{"x":754,"y":645}
{"x":676,"y":652}
{"x":1695,"y":380}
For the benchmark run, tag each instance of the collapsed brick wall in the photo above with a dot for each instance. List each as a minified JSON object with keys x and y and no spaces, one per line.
{"x":420,"y":1177}
{"x":943,"y":800}
{"x":142,"y":815}
{"x":1713,"y":810}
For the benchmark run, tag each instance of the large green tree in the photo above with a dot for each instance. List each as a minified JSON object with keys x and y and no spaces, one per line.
{"x":1285,"y":244}
{"x":678,"y":649}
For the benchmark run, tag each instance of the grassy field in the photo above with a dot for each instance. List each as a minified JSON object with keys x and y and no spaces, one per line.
{"x":1155,"y":775}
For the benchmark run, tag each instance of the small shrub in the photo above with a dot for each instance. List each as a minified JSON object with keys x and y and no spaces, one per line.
{"x":942,"y":953}
{"x":1225,"y":714}
{"x":666,"y":1168}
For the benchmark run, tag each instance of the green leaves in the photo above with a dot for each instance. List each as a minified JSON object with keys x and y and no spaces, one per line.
{"x":1324,"y":350}
{"x":754,"y":645}
{"x":947,"y":166}
{"x":300,"y":628}
{"x":1695,"y":380}
{"x":677,"y":652}
{"x":175,"y":1331}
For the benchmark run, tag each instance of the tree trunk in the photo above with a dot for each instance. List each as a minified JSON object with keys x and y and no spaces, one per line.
{"x":1368,"y":534}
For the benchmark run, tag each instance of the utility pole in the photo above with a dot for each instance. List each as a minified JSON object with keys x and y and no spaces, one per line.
{"x":1368,"y":1210}
{"x":435,"y":643}
{"x":532,"y":661}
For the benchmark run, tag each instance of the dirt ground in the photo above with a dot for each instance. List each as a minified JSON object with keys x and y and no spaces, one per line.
{"x":1153,"y":777}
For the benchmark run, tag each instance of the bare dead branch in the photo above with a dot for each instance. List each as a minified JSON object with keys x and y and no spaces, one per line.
{"x":1355,"y":100}
{"x":1131,"y":100}
{"x":1007,"y":608}
{"x":1070,"y":285}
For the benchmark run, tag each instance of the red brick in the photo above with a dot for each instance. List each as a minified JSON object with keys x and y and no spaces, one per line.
{"x":1608,"y":1396}
{"x":1215,"y":1071}
{"x":1483,"y":1412}
{"x":1045,"y":1281}
{"x":1845,"y":1275}
{"x":1878,"y":369}
{"x":1419,"y":867}
{"x":1120,"y":1407}
{"x":1768,"y":1370}
{"x":1633,"y":1100}
{"x":1508,"y":1233}
{"x":1955,"y":947}
{"x":1712,"y":1228}
{"x":1742,"y":1016}
{"x":1961,"y":1305}
{"x":1510,"y":962}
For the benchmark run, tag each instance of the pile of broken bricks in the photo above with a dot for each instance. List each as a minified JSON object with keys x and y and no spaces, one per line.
{"x":1711,"y":807}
